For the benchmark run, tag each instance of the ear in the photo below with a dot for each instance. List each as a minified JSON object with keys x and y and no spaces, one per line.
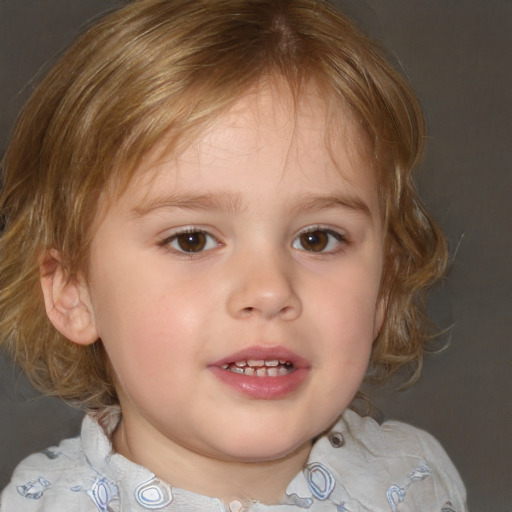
{"x":380,"y":315}
{"x":67,"y":301}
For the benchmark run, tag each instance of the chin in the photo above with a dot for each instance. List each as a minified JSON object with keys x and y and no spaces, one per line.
{"x":262,"y":449}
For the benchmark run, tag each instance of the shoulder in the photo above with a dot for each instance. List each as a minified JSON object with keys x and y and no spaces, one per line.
{"x":55,"y":480}
{"x":401,"y":463}
{"x":391,"y":438}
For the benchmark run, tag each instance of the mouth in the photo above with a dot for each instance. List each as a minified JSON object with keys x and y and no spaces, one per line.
{"x":260,"y":367}
{"x":262,"y":372}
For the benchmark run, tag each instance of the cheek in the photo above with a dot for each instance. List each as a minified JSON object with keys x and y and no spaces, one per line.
{"x":345,"y":316}
{"x":348,"y":304}
{"x":149,"y":324}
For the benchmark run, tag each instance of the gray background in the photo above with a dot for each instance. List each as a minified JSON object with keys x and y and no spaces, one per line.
{"x":457,"y":55}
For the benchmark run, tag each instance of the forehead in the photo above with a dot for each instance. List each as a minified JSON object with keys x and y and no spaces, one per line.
{"x":269,"y":139}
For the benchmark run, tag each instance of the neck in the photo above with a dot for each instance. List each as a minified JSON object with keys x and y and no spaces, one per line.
{"x":263,"y":481}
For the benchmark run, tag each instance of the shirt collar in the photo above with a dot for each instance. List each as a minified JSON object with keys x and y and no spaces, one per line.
{"x":138,"y":486}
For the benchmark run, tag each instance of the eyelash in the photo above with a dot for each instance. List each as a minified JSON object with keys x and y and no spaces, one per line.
{"x":327,"y":237}
{"x":332,"y":237}
{"x":210,"y":241}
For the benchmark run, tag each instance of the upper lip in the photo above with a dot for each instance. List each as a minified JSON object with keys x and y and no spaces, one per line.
{"x":264,"y":353}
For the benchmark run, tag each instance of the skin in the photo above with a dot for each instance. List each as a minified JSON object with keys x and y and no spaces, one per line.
{"x":291,"y":261}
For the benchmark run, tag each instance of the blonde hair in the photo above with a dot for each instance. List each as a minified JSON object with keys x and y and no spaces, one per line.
{"x":165,"y":68}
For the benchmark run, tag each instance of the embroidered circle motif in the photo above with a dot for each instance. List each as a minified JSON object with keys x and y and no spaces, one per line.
{"x":153,"y":494}
{"x":102,"y":493}
{"x":320,"y":480}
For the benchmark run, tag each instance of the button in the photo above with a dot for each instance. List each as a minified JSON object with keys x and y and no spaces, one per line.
{"x":236,"y":506}
{"x":336,"y":439}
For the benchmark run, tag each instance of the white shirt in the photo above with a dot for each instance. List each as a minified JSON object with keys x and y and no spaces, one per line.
{"x":359,"y":466}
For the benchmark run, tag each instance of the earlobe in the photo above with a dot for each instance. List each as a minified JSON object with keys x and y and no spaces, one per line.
{"x":380,"y":315}
{"x":67,"y":301}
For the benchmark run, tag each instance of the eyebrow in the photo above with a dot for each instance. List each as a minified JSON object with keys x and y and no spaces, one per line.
{"x":313,"y":202}
{"x":224,"y":202}
{"x":232,"y":203}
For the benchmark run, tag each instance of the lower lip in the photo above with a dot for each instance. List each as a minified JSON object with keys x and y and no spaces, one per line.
{"x":262,"y":388}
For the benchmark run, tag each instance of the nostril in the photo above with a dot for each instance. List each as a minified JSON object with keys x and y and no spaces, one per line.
{"x":264,"y":302}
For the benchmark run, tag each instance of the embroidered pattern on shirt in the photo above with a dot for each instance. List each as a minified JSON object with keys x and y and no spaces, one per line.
{"x":320,"y":480}
{"x":153,"y":494}
{"x":396,"y":494}
{"x":34,"y":489}
{"x":102,"y":492}
{"x":296,"y":500}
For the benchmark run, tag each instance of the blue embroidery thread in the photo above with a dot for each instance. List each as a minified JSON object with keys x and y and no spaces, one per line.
{"x":153,"y":494}
{"x":395,"y":496}
{"x":102,"y":492}
{"x":34,"y":489}
{"x":320,"y":480}
{"x":300,"y":502}
{"x":420,"y":473}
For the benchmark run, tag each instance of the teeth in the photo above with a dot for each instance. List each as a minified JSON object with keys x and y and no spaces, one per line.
{"x":260,"y":367}
{"x":255,"y":362}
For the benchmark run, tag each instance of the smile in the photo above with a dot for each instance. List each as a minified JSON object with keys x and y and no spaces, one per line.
{"x":260,"y":367}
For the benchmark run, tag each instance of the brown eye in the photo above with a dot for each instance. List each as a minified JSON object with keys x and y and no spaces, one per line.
{"x":314,"y":241}
{"x":319,"y":240}
{"x":191,"y":242}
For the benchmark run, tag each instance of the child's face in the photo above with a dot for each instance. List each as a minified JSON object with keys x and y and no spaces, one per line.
{"x":253,"y":245}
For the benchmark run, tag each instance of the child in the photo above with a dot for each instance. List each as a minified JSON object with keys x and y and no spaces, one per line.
{"x":215,"y":198}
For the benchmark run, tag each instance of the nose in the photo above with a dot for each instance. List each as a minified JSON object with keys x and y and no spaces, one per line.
{"x":263,"y":286}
